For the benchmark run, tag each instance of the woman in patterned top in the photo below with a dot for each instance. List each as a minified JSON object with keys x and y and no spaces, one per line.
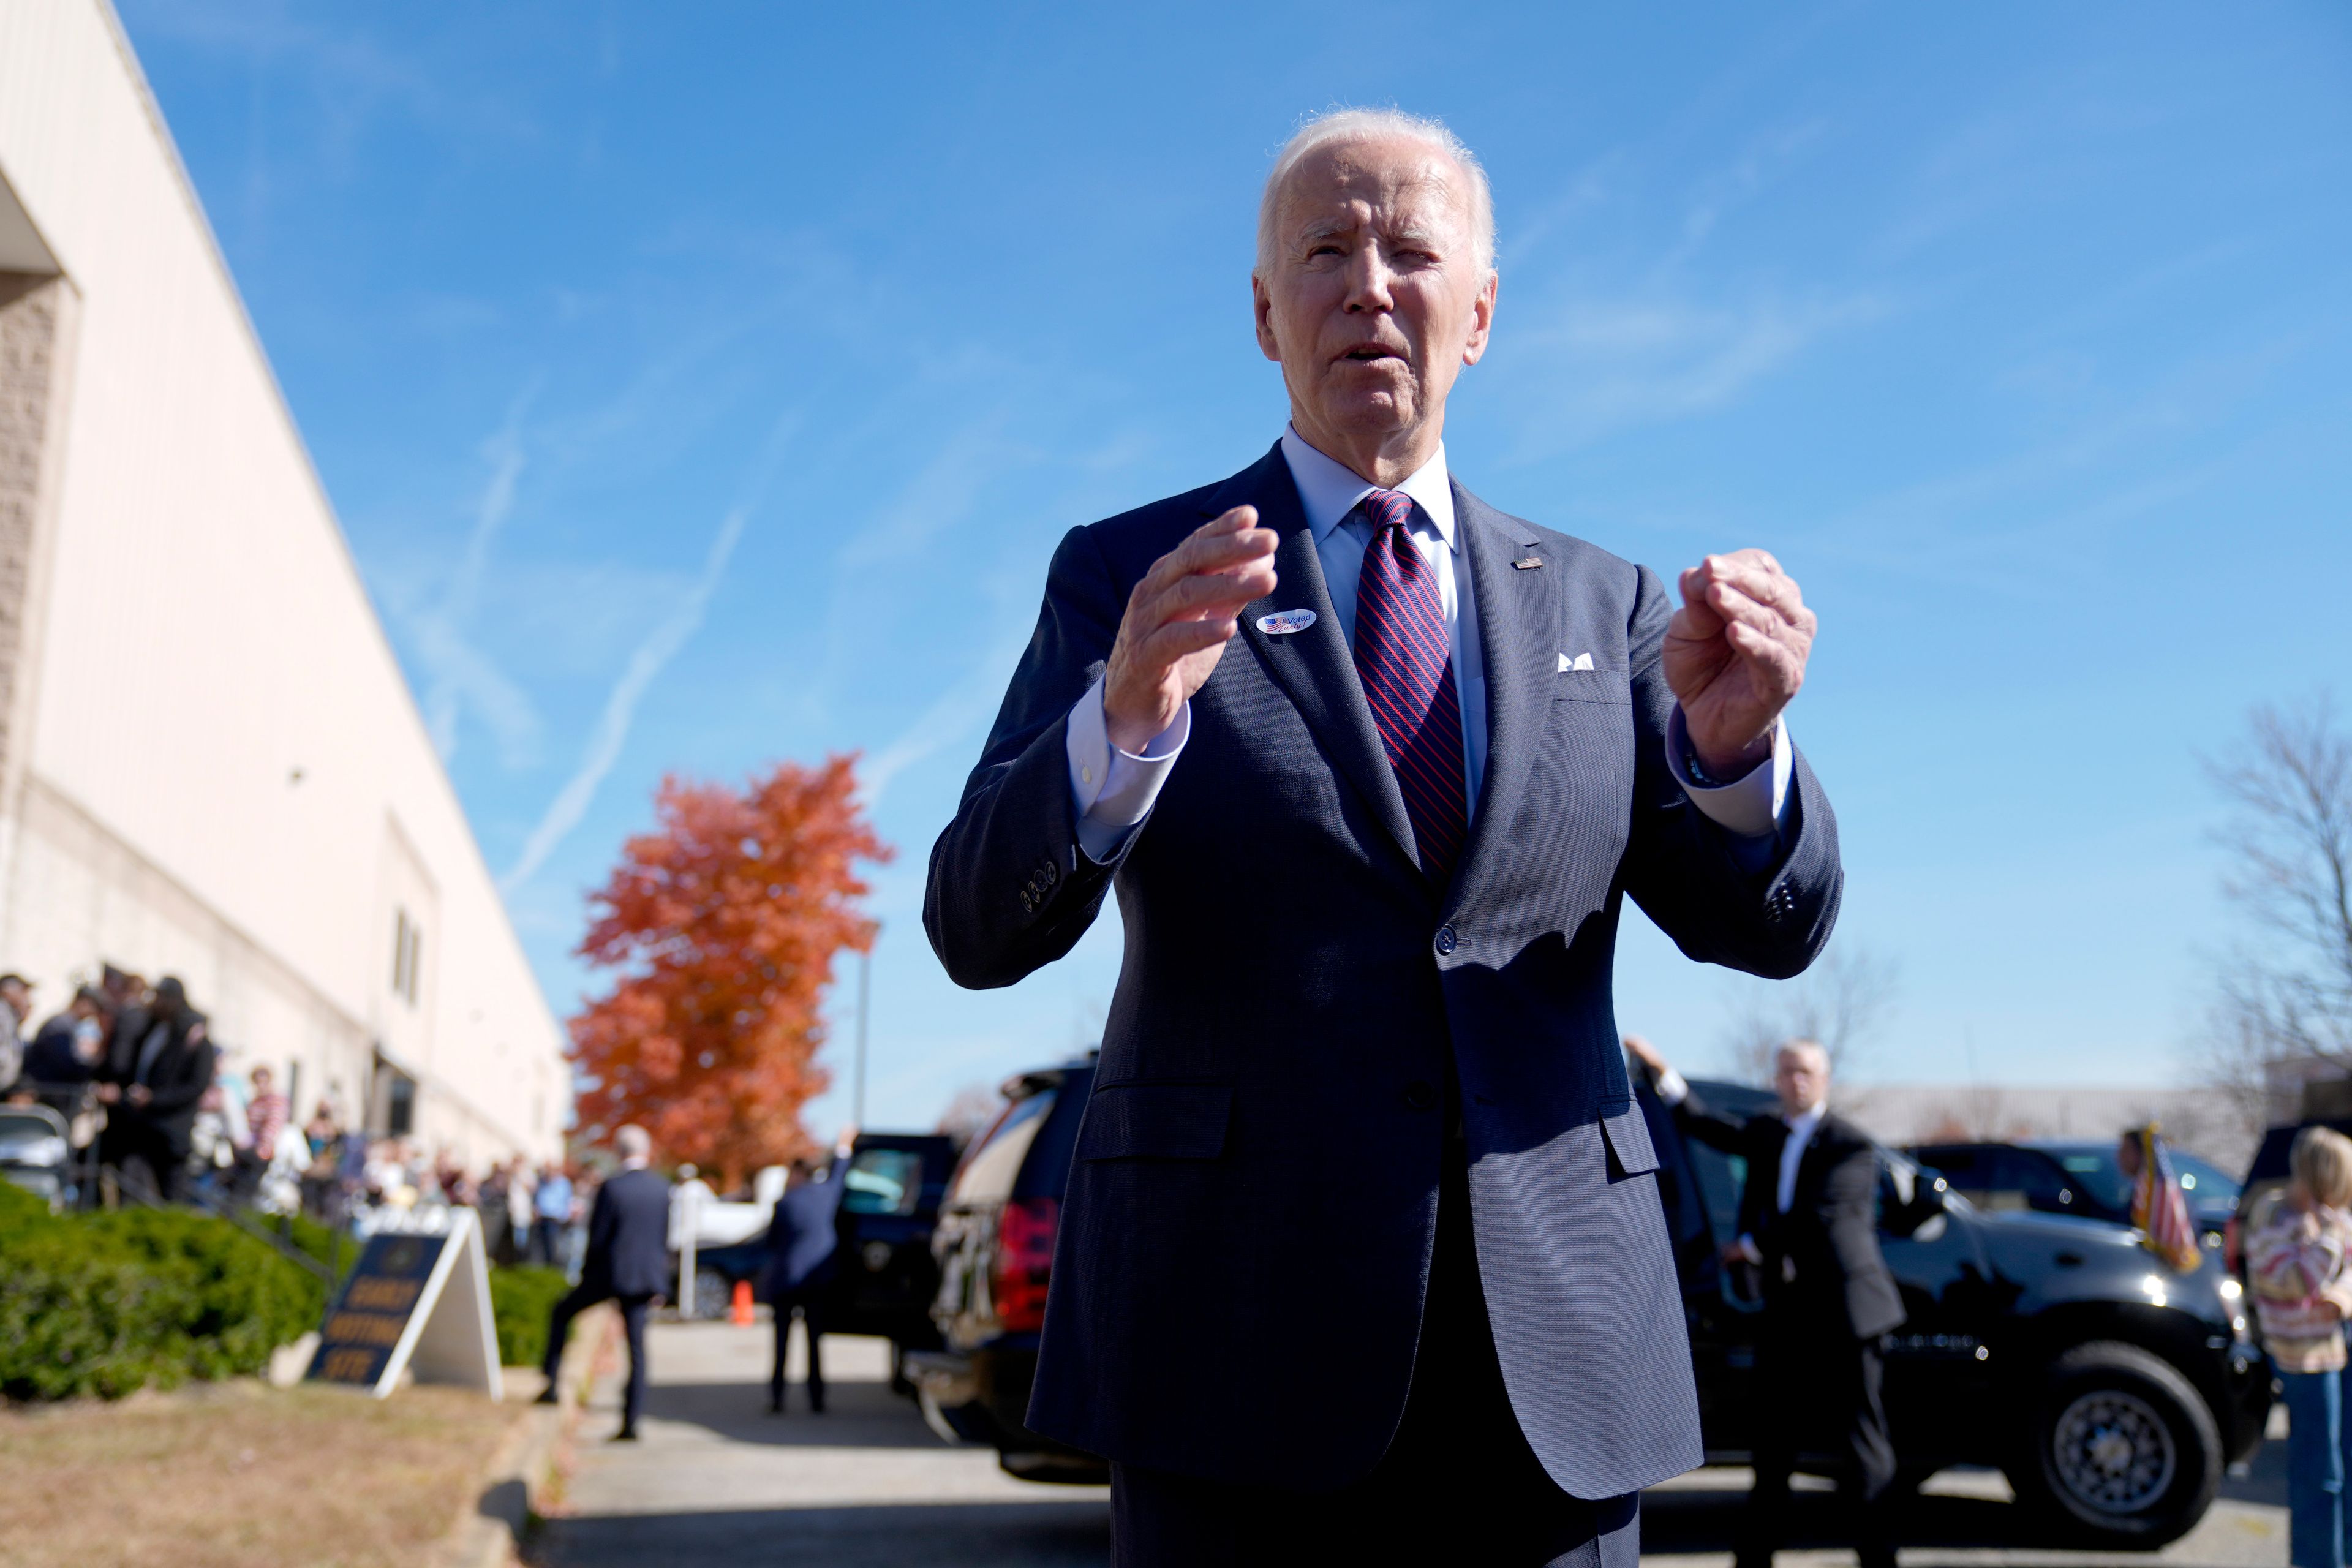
{"x":2302,"y":1294}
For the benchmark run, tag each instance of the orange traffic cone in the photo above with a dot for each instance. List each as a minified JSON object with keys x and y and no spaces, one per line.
{"x":741,"y":1312}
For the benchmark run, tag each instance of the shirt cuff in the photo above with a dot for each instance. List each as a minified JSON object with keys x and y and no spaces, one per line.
{"x":1113,"y":789}
{"x":1671,"y":1087}
{"x":1751,"y":806}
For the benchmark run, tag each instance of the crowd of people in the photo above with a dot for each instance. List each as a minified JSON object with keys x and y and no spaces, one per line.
{"x":154,"y":1104}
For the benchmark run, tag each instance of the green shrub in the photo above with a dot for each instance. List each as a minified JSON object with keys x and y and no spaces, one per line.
{"x":105,"y":1304}
{"x":520,"y":1300}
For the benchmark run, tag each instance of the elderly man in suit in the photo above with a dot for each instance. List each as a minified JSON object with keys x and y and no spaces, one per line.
{"x":1362,"y":1258}
{"x":1809,"y":1226}
{"x":628,"y":1262}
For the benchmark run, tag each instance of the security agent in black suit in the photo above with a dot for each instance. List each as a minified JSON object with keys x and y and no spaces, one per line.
{"x":628,"y":1262}
{"x":1808,"y":1226}
{"x":802,"y":1244}
{"x":161,"y":1062}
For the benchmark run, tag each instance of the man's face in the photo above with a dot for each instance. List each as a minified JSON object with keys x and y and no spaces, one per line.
{"x":1373,"y":300}
{"x":1801,"y":1077}
{"x":17,"y":996}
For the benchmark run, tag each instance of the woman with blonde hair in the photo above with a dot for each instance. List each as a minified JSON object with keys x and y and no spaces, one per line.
{"x":2302,"y":1295}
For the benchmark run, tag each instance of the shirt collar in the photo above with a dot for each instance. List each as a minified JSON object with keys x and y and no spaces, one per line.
{"x":1803,"y":1124}
{"x":1328,"y":490}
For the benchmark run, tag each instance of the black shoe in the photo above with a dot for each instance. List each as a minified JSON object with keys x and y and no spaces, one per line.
{"x":775,"y":1405}
{"x":816,"y":1406}
{"x":548,"y":1396}
{"x":626,"y":1435}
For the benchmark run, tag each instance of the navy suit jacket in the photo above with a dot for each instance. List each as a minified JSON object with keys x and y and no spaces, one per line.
{"x":801,"y":1237}
{"x":628,"y":1235}
{"x":1244,"y":1247}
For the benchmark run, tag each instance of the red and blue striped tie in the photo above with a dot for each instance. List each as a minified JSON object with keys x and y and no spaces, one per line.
{"x":1407,"y":666}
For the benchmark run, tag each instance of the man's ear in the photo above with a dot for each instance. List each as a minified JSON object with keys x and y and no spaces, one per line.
{"x":1482,"y":320}
{"x":1262,"y":310}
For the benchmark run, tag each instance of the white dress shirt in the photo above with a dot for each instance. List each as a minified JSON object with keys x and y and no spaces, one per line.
{"x":1114,"y":789}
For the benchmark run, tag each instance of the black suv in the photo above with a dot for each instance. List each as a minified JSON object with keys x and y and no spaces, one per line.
{"x":2062,"y":1176}
{"x":2112,"y":1391}
{"x":995,"y":1249}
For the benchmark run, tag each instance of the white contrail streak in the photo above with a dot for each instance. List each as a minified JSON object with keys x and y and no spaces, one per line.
{"x":570,"y":803}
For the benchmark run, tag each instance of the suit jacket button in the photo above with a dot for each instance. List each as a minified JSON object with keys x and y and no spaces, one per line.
{"x":1419,"y":1095}
{"x":1445,"y":942}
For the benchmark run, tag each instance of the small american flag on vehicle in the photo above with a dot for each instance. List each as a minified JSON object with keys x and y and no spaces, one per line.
{"x":2158,"y":1207}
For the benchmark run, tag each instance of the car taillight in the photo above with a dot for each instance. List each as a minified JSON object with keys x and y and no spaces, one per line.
{"x":2229,"y":1259}
{"x":1024,"y":1257}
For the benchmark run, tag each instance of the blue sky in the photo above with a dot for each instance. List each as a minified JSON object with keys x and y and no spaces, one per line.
{"x":703,"y":387}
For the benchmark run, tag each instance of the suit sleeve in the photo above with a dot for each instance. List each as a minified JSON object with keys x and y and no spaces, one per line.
{"x":1009,"y":890}
{"x":603,"y":1221}
{"x":1711,"y":1126}
{"x":1681,"y":868}
{"x":1849,"y":1216}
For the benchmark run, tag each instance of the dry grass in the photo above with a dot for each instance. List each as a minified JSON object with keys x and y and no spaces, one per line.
{"x":243,"y":1475}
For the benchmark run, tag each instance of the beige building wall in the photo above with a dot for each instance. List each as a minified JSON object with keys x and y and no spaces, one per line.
{"x":210,"y":764}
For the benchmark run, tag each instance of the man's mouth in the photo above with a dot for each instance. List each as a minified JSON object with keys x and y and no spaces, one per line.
{"x":1364,"y":354}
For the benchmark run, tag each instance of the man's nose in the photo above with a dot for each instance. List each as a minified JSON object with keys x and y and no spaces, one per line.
{"x":1369,"y":282}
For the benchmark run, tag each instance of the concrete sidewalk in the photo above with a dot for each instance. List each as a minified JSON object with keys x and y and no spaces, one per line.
{"x":716,"y":1481}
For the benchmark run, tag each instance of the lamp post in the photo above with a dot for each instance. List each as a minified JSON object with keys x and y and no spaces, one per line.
{"x":864,"y":1004}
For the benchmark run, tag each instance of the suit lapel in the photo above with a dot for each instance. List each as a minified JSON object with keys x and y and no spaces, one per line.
{"x":1313,"y":666}
{"x":1520,"y":616}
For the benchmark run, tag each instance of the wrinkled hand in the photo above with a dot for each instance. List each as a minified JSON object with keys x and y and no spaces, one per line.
{"x":1178,"y":621}
{"x":1735,"y":655}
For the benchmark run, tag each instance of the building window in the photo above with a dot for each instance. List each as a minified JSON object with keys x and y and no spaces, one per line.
{"x":395,"y":1100}
{"x":407,"y":955}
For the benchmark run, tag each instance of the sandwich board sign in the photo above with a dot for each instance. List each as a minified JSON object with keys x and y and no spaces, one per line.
{"x":419,"y":1300}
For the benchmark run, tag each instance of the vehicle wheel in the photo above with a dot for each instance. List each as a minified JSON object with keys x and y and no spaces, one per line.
{"x":714,"y":1294}
{"x":2124,"y":1452}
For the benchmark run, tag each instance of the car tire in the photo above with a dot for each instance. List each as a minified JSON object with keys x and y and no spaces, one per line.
{"x":2124,"y":1452}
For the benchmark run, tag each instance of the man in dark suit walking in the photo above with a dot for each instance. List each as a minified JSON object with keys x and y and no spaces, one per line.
{"x":161,"y":1062}
{"x":628,"y":1262}
{"x":803,"y":1240}
{"x":1809,"y":1227}
{"x":1361,"y":1257}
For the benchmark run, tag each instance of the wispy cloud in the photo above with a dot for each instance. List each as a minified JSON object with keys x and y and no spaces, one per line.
{"x":1616,"y":364}
{"x":570,"y":803}
{"x":461,"y":678}
{"x":953,"y":716}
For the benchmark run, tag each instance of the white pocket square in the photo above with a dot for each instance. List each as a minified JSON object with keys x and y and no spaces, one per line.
{"x":1581,"y":661}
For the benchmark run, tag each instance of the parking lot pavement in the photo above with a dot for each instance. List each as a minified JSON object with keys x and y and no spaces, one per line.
{"x":867,"y":1485}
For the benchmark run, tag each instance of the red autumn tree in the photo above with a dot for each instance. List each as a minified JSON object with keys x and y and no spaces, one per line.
{"x":725,"y":923}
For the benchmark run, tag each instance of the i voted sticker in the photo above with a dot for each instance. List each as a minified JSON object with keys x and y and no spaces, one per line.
{"x":1282,"y":623}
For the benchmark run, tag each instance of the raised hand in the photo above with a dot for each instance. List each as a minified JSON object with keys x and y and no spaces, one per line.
{"x":1646,"y":1054}
{"x":1178,"y":621}
{"x":1735,"y":655}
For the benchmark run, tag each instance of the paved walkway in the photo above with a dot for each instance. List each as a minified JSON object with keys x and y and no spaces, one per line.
{"x":867,"y":1485}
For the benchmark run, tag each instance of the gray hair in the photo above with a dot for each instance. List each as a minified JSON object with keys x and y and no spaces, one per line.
{"x":1370,"y":125}
{"x":634,"y":1142}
